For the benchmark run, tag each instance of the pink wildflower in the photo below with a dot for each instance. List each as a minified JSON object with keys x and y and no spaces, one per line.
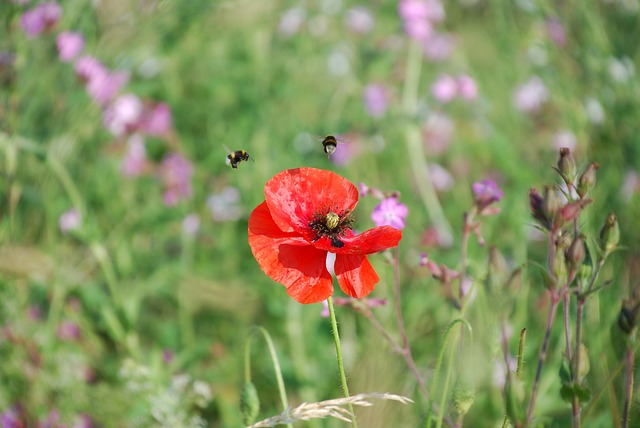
{"x":41,"y":18}
{"x":69,"y":44}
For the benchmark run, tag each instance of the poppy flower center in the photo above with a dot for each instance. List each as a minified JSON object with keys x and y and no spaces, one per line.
{"x":328,"y":223}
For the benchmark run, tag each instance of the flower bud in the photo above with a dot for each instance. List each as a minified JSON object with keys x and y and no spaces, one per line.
{"x":609,"y":234}
{"x":463,"y":398}
{"x":587,"y":180}
{"x":551,"y":204}
{"x":576,"y":252}
{"x":567,"y":166}
{"x":249,"y":403}
{"x":536,"y":203}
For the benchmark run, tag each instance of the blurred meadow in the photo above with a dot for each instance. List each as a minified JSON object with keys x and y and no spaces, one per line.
{"x":128,"y":289}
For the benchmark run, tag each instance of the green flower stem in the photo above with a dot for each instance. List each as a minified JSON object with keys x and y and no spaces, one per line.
{"x":343,"y":377}
{"x":413,"y":139}
{"x":436,"y":372}
{"x":628,"y":390}
{"x":274,"y":360}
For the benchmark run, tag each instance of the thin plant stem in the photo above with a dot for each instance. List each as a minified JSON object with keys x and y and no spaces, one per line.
{"x":553,"y":306}
{"x":436,"y":372}
{"x":567,"y":329}
{"x":343,"y":377}
{"x":274,"y":359}
{"x":406,"y":348}
{"x":628,"y":391}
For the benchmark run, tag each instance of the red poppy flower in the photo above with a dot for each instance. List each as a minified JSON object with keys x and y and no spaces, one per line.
{"x":306,"y":215}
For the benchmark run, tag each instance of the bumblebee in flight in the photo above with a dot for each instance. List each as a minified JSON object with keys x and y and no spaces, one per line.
{"x":329,"y":143}
{"x":235,"y":157}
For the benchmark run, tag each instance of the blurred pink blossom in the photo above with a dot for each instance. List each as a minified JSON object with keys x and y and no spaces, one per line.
{"x":376,"y":100}
{"x":390,"y":212}
{"x":69,"y":44}
{"x":529,"y":96}
{"x":123,"y":116}
{"x":70,"y":220}
{"x":134,"y":161}
{"x":104,"y":85}
{"x":157,"y":120}
{"x":345,"y":151}
{"x":630,"y":185}
{"x":87,"y":67}
{"x":292,"y":20}
{"x":501,"y":369}
{"x":564,"y":138}
{"x":438,"y":131}
{"x":438,"y":46}
{"x":41,"y":18}
{"x":324,"y":313}
{"x":441,"y":179}
{"x":360,"y":19}
{"x":419,"y":17}
{"x":175,"y":173}
{"x":68,"y":331}
{"x":556,"y":32}
{"x":467,"y":88}
{"x":445,"y":88}
{"x":485,"y":193}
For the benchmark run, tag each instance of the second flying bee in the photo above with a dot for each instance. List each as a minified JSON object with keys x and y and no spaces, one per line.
{"x":234,"y":158}
{"x":329,"y":143}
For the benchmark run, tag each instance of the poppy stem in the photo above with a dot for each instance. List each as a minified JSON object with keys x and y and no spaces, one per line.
{"x":343,"y":376}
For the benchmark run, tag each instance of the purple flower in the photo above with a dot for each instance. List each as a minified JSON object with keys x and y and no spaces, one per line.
{"x":438,"y":132}
{"x":325,"y":309}
{"x":70,"y":45}
{"x":176,"y":172}
{"x":376,"y":100}
{"x":10,"y":419}
{"x":438,"y":46}
{"x":104,"y":85}
{"x":359,"y":19}
{"x":363,"y":189}
{"x":157,"y":120}
{"x":485,"y":193}
{"x":41,"y":18}
{"x":167,"y":355}
{"x":467,"y":88}
{"x":68,"y":331}
{"x":134,"y":161}
{"x":345,"y":151}
{"x":419,"y":16}
{"x":87,"y":67}
{"x":445,"y":88}
{"x":70,"y":220}
{"x":556,"y":32}
{"x":123,"y":115}
{"x":390,"y":212}
{"x":530,"y":96}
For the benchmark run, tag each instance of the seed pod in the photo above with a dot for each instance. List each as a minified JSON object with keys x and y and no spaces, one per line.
{"x":567,"y":166}
{"x":609,"y":235}
{"x":587,"y":180}
{"x":249,"y":403}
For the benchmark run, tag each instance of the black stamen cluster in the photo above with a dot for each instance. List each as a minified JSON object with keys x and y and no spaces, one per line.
{"x":323,"y":223}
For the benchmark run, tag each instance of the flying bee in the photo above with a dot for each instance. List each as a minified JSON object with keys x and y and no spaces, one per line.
{"x":235,"y":157}
{"x":330,"y":144}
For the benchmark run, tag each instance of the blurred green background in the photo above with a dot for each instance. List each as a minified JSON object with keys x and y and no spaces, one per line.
{"x":270,"y":77}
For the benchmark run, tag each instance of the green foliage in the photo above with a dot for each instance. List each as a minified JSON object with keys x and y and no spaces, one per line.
{"x":153,"y":302}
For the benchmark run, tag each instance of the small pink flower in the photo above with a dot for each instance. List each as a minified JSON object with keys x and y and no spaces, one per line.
{"x":438,"y":132}
{"x":390,"y":212}
{"x":134,"y":161}
{"x":530,"y":96}
{"x":438,"y":46}
{"x":70,"y":220}
{"x":467,"y":88}
{"x":485,"y":193}
{"x":363,"y":189}
{"x":376,"y":100}
{"x":68,"y":331}
{"x":360,"y":20}
{"x":175,"y":173}
{"x":556,"y":32}
{"x":441,"y":179}
{"x":157,"y":121}
{"x":41,"y":18}
{"x":564,"y":138}
{"x":103,"y":86}
{"x":291,"y":21}
{"x":123,"y":115}
{"x":87,"y":67}
{"x":445,"y":88}
{"x":69,"y":44}
{"x":423,"y":259}
{"x":191,"y":224}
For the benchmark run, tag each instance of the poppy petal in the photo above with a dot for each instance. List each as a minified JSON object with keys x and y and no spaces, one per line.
{"x":289,"y":259}
{"x":294,"y":195}
{"x":368,"y":242}
{"x":355,"y":275}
